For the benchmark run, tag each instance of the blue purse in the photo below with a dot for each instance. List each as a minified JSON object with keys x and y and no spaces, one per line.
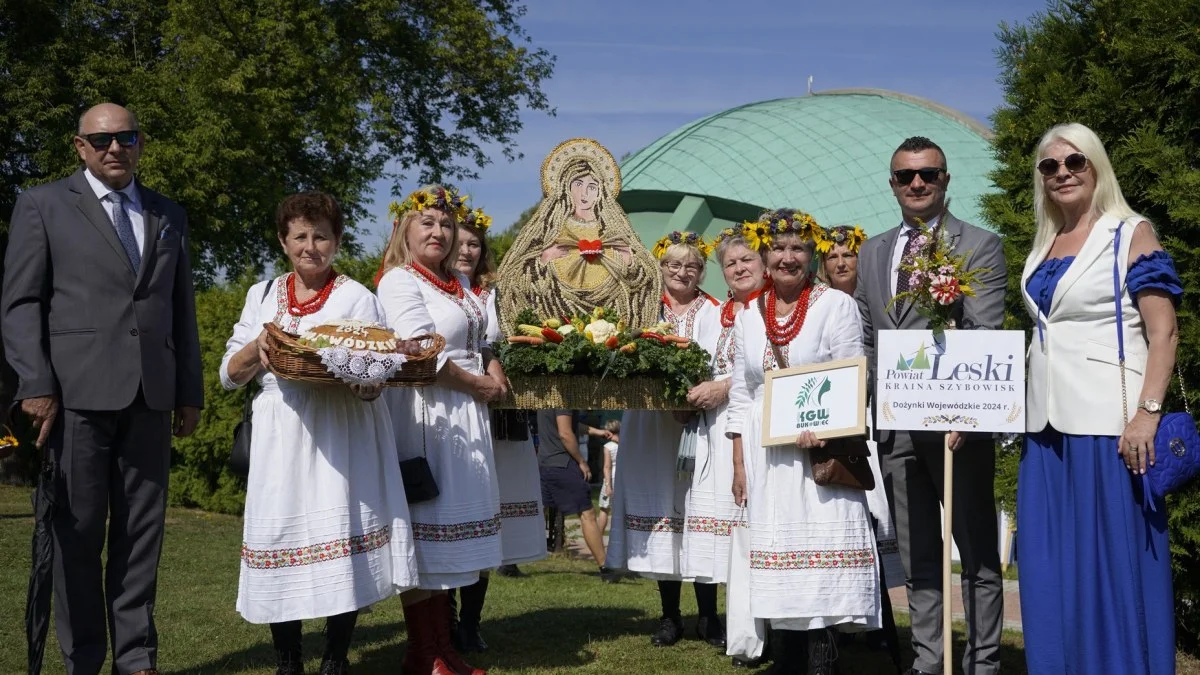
{"x":1176,"y":444}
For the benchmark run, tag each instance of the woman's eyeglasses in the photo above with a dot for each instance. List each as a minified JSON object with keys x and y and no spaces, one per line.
{"x":928,"y":174}
{"x":1075,"y":162}
{"x":674,"y":267}
{"x":102,"y":140}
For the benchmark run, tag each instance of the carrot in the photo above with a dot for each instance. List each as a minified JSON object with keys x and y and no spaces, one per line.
{"x":683,"y":345}
{"x":526,"y":340}
{"x":676,"y":338}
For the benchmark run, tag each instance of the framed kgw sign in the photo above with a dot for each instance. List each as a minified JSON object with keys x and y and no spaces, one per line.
{"x":828,"y":399}
{"x":960,"y":380}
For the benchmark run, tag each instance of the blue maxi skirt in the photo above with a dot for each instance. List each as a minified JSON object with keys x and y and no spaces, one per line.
{"x":1095,"y":568}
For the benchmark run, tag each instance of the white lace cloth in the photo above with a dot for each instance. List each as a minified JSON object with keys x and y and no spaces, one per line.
{"x":360,"y":367}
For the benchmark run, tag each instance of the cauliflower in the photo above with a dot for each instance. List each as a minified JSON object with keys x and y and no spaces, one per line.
{"x":600,"y":330}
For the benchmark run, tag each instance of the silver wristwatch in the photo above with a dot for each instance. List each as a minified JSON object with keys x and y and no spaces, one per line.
{"x":1151,"y":406}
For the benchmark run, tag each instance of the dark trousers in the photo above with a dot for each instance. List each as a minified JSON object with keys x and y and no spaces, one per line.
{"x":112,"y":465}
{"x":912,"y":464}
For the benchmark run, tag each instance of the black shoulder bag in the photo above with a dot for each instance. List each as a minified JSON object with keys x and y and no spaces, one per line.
{"x":419,"y":483}
{"x":239,"y":455}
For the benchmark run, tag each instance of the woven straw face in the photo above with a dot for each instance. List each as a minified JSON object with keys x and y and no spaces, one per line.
{"x":576,"y":148}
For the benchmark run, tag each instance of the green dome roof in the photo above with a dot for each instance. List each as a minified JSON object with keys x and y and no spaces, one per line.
{"x":825,"y":153}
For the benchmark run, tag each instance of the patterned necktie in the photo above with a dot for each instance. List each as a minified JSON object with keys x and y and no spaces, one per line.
{"x":124,"y":228}
{"x":910,"y":248}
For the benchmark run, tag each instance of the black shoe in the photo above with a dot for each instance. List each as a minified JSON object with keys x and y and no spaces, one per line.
{"x":670,"y":631}
{"x":608,"y":575}
{"x":289,"y":663}
{"x":511,"y":571}
{"x":470,"y":639}
{"x":709,"y":629}
{"x":822,"y":652}
{"x":739,"y":662}
{"x":335,"y":667}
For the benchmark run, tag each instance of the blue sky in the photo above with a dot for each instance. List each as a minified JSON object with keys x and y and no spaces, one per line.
{"x":629,"y":72}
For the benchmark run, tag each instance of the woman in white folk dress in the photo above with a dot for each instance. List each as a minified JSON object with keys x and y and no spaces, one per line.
{"x":326,"y":525}
{"x":712,"y":513}
{"x":813,"y":563}
{"x":648,"y":510}
{"x":838,"y":267}
{"x":522,"y":525}
{"x":457,"y":533}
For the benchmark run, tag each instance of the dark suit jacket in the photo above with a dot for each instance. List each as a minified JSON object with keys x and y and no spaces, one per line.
{"x":80,"y":322}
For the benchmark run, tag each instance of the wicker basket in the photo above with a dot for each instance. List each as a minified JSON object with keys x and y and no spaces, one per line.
{"x":291,"y":360}
{"x":584,"y":392}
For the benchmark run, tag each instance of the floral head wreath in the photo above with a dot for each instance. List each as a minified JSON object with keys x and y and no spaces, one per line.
{"x":436,"y":198}
{"x":476,"y":219}
{"x":757,"y":234}
{"x":727,"y":233}
{"x":761,"y":233}
{"x":687,"y":238}
{"x":850,"y":236}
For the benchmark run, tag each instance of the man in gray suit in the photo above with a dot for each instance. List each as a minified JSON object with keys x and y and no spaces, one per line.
{"x":99,"y":323}
{"x":912,"y":462}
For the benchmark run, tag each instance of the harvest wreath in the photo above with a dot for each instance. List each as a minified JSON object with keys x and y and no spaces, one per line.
{"x":596,"y":362}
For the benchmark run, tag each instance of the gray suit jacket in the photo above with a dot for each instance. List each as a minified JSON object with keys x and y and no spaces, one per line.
{"x":80,"y":322}
{"x":875,"y":282}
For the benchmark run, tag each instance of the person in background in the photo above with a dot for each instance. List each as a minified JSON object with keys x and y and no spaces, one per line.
{"x":912,"y":461}
{"x":323,"y":468}
{"x":838,"y":267}
{"x":613,"y":427}
{"x":457,"y":533}
{"x":1095,"y":561}
{"x":565,"y":476}
{"x":522,"y":525}
{"x":649,"y":511}
{"x":99,"y":324}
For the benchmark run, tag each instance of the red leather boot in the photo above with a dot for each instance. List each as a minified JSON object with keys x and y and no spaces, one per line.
{"x":422,"y":655}
{"x":441,"y":622}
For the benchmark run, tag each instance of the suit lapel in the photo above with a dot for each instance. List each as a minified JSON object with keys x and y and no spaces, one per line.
{"x":93,"y":211}
{"x":152,"y":215}
{"x":887,"y":246}
{"x":1095,"y":246}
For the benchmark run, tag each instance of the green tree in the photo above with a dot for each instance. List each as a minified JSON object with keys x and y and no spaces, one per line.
{"x":1130,"y":70}
{"x":502,"y":241}
{"x":243,"y":102}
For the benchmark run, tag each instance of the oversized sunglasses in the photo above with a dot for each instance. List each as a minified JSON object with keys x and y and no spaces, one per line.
{"x":1075,"y":162}
{"x":104,"y":139}
{"x":928,"y":174}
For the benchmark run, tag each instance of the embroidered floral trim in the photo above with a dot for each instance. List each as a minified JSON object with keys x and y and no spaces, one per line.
{"x":653,"y":524}
{"x":476,"y":529}
{"x":471,"y":307}
{"x":684,"y":325}
{"x":716,"y":526}
{"x":285,"y":319}
{"x":273,"y":558}
{"x":723,"y":354}
{"x":519,"y":510}
{"x":802,"y":560}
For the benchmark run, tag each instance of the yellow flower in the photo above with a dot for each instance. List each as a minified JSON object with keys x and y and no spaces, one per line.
{"x":660,"y":248}
{"x":420,"y":200}
{"x":705,"y":248}
{"x":757,"y":235}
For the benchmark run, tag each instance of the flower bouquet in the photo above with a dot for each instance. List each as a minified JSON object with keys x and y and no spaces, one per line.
{"x":596,"y":362}
{"x":937,"y":278}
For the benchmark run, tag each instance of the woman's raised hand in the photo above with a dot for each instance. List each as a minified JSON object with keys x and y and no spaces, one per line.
{"x":807,"y":440}
{"x":367,"y":392}
{"x":261,"y":342}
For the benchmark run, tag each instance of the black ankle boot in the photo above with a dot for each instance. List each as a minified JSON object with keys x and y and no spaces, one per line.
{"x":822,"y":652}
{"x":335,"y":667}
{"x":452,"y":596}
{"x":286,"y":638}
{"x":339,"y":631}
{"x":289,"y":663}
{"x":670,"y":631}
{"x":710,"y":629}
{"x":470,"y":615}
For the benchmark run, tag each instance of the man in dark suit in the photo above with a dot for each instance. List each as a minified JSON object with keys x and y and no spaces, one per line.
{"x":99,"y":323}
{"x":912,"y":462}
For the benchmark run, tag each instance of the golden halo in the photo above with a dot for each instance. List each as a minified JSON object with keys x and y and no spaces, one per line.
{"x":563,"y":153}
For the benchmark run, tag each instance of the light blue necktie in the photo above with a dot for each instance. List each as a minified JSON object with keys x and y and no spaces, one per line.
{"x":124,"y":228}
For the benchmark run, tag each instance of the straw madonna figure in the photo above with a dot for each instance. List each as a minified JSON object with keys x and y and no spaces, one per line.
{"x":578,"y":251}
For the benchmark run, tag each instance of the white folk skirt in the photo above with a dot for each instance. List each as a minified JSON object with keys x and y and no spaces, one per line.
{"x":711,"y":512}
{"x":648,"y":510}
{"x":522,"y":525}
{"x":326,"y":526}
{"x":813,"y":562}
{"x":457,"y":533}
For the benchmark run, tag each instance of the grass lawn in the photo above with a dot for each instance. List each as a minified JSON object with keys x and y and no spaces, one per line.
{"x":559,"y":619}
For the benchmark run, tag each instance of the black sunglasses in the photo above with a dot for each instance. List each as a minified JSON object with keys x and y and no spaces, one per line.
{"x":928,"y":174}
{"x":1075,"y":162}
{"x":102,"y":140}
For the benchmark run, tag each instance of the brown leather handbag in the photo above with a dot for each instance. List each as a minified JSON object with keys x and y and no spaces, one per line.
{"x":843,"y":461}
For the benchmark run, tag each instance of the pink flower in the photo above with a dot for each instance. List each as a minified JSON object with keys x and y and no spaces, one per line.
{"x":922,"y":241}
{"x":944,"y":289}
{"x":914,"y":279}
{"x":946,"y":269}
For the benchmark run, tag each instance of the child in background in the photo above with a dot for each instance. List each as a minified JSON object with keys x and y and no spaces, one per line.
{"x":610,"y":469}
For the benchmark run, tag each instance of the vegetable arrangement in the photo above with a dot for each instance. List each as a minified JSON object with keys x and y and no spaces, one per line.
{"x":601,"y":345}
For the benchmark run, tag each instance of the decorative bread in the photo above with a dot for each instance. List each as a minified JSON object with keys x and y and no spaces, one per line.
{"x":356,"y":335}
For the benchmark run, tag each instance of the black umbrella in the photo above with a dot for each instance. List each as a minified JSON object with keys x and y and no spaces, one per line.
{"x":41,"y":573}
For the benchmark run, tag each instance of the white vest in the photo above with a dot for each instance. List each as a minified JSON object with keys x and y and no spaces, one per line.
{"x":1078,"y":391}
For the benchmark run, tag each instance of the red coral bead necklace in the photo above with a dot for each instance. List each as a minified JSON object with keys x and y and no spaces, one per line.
{"x":727,"y":313}
{"x":783,"y":334}
{"x":313,"y":304}
{"x":451,"y":287}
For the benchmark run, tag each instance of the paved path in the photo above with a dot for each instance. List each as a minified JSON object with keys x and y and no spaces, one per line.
{"x":1012,"y":600}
